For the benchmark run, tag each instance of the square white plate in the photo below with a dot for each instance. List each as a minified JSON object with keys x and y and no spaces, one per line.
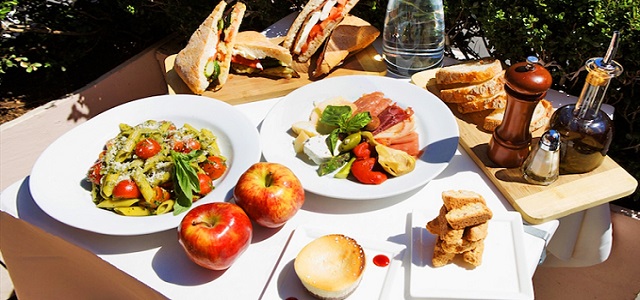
{"x":284,"y":282}
{"x":503,"y":273}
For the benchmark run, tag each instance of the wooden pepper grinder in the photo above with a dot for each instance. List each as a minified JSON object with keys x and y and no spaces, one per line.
{"x":526,"y":84}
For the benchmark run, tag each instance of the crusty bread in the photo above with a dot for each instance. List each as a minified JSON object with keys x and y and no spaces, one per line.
{"x":298,"y":22}
{"x":350,"y":36}
{"x":468,"y":93}
{"x":254,"y":45}
{"x":454,"y":199}
{"x":226,"y":46}
{"x":540,"y":118}
{"x":469,"y":72}
{"x":479,"y":104}
{"x":293,"y":41}
{"x":192,"y":59}
{"x":474,"y":256}
{"x":468,"y":215}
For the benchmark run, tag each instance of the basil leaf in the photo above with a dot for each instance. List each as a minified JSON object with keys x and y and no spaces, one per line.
{"x":186,"y":180}
{"x":357,"y":122}
{"x":332,"y":140}
{"x":336,"y":115}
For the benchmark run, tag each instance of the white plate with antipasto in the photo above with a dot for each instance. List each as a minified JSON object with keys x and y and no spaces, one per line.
{"x":63,"y":180}
{"x":409,"y":135}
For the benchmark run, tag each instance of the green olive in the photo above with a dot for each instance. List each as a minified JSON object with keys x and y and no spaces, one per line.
{"x":350,"y":142}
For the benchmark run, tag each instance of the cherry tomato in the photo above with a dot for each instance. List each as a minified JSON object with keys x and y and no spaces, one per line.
{"x":206,"y":186}
{"x":186,"y":147}
{"x":214,"y":166}
{"x":192,"y":144}
{"x":147,"y":148}
{"x":162,"y":195}
{"x":126,"y":189}
{"x":94,"y":173}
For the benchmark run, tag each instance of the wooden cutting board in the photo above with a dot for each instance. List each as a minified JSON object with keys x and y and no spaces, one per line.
{"x":537,"y":204}
{"x":242,"y":89}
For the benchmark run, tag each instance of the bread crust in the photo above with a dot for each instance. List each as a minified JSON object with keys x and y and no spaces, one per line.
{"x":469,"y":72}
{"x":226,"y":50}
{"x":292,"y":38}
{"x":468,"y":215}
{"x":468,"y":93}
{"x":480,"y":104}
{"x":203,"y":44}
{"x":348,"y":38}
{"x":540,"y":119}
{"x":261,"y":47}
{"x":192,"y":59}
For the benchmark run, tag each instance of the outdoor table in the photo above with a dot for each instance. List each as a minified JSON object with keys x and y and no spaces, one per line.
{"x":159,"y":263}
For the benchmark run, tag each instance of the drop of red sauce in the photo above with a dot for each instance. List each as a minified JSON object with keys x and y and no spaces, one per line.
{"x":381,"y":260}
{"x":292,"y":298}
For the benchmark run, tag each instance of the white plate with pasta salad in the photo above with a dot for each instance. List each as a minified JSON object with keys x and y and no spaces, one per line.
{"x":435,"y":126}
{"x":60,"y":181}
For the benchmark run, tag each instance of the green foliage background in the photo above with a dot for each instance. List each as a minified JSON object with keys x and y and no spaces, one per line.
{"x":50,"y":48}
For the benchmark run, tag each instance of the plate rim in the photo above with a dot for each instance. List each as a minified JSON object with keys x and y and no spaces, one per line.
{"x":372,"y":192}
{"x":241,"y":159}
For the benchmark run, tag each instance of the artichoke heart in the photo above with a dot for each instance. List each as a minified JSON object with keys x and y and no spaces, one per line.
{"x":395,"y":162}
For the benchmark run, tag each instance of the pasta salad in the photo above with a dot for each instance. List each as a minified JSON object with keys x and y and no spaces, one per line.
{"x":154,"y":168}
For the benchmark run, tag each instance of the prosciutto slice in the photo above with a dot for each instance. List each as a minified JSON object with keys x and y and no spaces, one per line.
{"x":375,"y":103}
{"x":392,"y":115}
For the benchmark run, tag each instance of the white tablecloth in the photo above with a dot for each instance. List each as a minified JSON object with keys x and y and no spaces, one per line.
{"x":158,"y":261}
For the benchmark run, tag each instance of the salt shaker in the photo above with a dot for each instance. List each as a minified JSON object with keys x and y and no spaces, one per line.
{"x":542,"y":166}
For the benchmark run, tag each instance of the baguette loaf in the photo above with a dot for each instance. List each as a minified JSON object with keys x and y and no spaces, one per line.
{"x":479,"y":104}
{"x":468,"y":215}
{"x":540,"y":118}
{"x":468,"y":93}
{"x":470,"y":72}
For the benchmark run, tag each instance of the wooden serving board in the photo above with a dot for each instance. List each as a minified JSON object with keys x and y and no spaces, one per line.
{"x":242,"y":89}
{"x":537,"y":204}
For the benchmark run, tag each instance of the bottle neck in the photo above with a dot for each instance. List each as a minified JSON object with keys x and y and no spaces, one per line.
{"x":591,"y":97}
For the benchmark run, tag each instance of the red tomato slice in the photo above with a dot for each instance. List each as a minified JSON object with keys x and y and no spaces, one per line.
{"x":147,"y":148}
{"x":214,"y":166}
{"x":253,"y":63}
{"x":206,"y":186}
{"x":126,"y":189}
{"x":94,"y":173}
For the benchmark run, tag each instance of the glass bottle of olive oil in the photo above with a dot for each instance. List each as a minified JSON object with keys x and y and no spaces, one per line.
{"x":586,"y":131}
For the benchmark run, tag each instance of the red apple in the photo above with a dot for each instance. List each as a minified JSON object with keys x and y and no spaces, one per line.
{"x":269,"y":193}
{"x":215,"y":234}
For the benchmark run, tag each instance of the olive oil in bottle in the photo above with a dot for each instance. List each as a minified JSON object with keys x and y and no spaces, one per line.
{"x":586,"y":131}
